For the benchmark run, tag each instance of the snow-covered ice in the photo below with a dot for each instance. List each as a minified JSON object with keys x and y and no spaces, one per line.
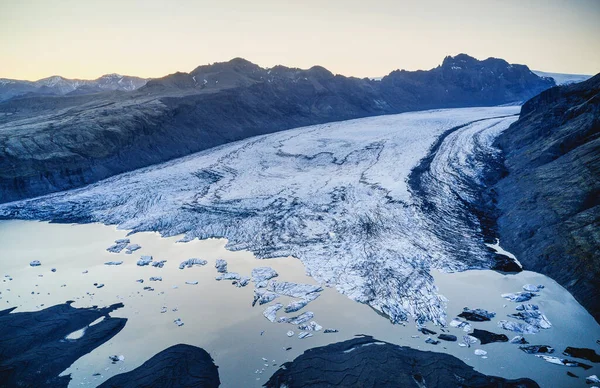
{"x":346,"y":198}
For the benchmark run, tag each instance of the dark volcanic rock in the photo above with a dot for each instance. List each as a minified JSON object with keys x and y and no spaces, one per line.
{"x":536,"y":349}
{"x":585,"y":353}
{"x":549,"y":202}
{"x":476,"y":315}
{"x":487,"y":337}
{"x":426,"y":331}
{"x":49,"y":144}
{"x":33,"y":348}
{"x":178,"y":366}
{"x":447,"y":337}
{"x":367,"y":362}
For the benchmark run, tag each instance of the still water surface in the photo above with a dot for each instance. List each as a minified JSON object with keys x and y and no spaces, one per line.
{"x":219,"y":317}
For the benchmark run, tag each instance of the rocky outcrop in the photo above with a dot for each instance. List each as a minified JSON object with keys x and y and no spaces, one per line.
{"x":367,"y":362}
{"x":177,"y":366}
{"x":34,"y":349}
{"x":50,"y":144}
{"x":549,"y":202}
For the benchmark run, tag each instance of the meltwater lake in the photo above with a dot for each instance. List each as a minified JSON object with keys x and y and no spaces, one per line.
{"x":219,"y":317}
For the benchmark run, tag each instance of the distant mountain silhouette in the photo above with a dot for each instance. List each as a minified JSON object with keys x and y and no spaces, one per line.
{"x":52,"y":143}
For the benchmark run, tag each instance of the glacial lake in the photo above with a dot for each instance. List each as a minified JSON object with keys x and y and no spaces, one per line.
{"x":219,"y":317}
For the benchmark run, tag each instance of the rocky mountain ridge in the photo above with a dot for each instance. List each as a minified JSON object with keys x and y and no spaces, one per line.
{"x":49,"y":144}
{"x":60,"y":86}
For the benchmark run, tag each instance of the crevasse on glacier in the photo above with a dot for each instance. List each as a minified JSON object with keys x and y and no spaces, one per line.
{"x":337,"y":196}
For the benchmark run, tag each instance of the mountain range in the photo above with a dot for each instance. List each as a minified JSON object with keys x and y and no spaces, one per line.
{"x":53,"y":143}
{"x":60,"y":86}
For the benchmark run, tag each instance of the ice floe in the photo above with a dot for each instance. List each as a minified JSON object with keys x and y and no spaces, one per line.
{"x":271,"y":312}
{"x":189,"y":263}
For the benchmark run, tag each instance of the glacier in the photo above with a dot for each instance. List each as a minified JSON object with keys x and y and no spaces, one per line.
{"x":370,"y":206}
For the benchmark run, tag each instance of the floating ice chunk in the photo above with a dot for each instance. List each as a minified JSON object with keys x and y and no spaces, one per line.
{"x":192,"y":282}
{"x":524,"y":328}
{"x":156,"y":279}
{"x":132,"y":248}
{"x":229,"y":276}
{"x":243,"y":282}
{"x":189,"y":263}
{"x":271,"y":312}
{"x":312,"y":326}
{"x":518,"y":296}
{"x":263,"y":296}
{"x":159,"y":264}
{"x":304,"y":317}
{"x":527,"y":306}
{"x":431,"y":341}
{"x":593,"y":379}
{"x":163,"y":310}
{"x":476,"y":315}
{"x":99,"y":285}
{"x":469,"y":340}
{"x":480,"y":352}
{"x":35,"y":263}
{"x":295,"y":290}
{"x":296,"y":305}
{"x":148,"y":288}
{"x":531,"y":288}
{"x":84,"y":272}
{"x":290,"y":333}
{"x":118,"y":246}
{"x":304,"y":334}
{"x":144,"y":260}
{"x":113,"y":263}
{"x":533,"y":317}
{"x":178,"y":322}
{"x":53,"y":269}
{"x":262,"y":274}
{"x":466,"y":326}
{"x":140,"y":280}
{"x":518,"y":340}
{"x":563,"y":361}
{"x":536,"y":349}
{"x":221,"y":266}
{"x":329,"y":330}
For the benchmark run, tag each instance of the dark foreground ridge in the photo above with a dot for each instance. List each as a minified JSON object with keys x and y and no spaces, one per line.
{"x":549,"y":202}
{"x":53,"y":143}
{"x":178,"y":366}
{"x":367,"y":362}
{"x":33,"y":348}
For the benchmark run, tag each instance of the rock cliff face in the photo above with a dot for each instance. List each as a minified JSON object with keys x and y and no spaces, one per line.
{"x":367,"y":362}
{"x":550,"y":199}
{"x":50,"y":144}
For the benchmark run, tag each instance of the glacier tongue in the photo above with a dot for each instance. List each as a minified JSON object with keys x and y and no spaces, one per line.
{"x":337,"y":196}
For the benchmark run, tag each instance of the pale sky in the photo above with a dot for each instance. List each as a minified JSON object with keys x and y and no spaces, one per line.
{"x":152,"y":38}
